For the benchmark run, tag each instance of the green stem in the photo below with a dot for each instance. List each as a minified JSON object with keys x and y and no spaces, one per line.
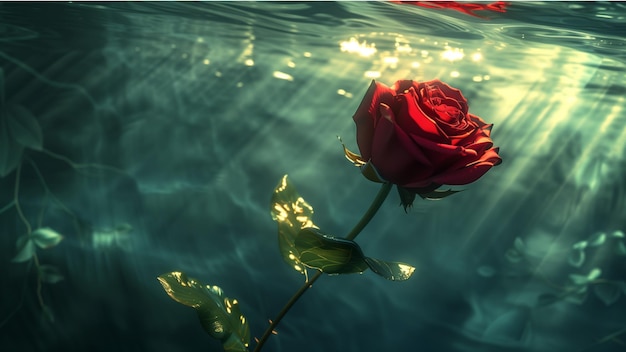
{"x":78,"y":166}
{"x":611,"y":337}
{"x":7,"y":207}
{"x":16,"y":199}
{"x":39,"y":295}
{"x":49,"y":192}
{"x":369,"y":214}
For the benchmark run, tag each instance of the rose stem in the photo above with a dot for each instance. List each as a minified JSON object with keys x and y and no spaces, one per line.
{"x":369,"y":214}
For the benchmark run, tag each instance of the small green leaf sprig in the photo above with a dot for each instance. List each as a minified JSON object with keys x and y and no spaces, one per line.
{"x":21,"y":134}
{"x":19,"y":131}
{"x":582,"y":281}
{"x":586,"y":280}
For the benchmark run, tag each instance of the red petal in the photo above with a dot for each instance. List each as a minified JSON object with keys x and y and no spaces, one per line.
{"x":404,"y":84}
{"x":367,"y":113}
{"x":478,"y":121}
{"x":392,"y":159}
{"x":450,"y":92}
{"x":465,"y":175}
{"x":471,"y":172}
{"x":415,"y":121}
{"x":401,"y":135}
{"x":441,"y":149}
{"x":481,"y":144}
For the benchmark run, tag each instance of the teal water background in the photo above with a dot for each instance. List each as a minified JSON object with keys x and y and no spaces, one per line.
{"x":204,"y":106}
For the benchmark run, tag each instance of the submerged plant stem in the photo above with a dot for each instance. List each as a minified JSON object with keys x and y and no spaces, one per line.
{"x":16,"y":196}
{"x":39,"y":295}
{"x":369,"y":214}
{"x":7,"y":207}
{"x":371,"y":211}
{"x":274,"y":323}
{"x":54,"y":197}
{"x":29,"y":230}
{"x":78,"y":166}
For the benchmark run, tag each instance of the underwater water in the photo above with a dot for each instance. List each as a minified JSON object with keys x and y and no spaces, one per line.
{"x":167,"y":126}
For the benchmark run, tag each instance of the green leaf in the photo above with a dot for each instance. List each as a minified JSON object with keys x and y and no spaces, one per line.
{"x":513,"y":255}
{"x":46,"y":237}
{"x":50,"y":274}
{"x":576,"y":257}
{"x":486,"y":271}
{"x":367,"y":168}
{"x":220,"y":316}
{"x":519,"y":245}
{"x":24,"y":127}
{"x":394,"y":271}
{"x":354,"y":158}
{"x":580,"y":245}
{"x":10,"y":150}
{"x":583,"y":280}
{"x":594,"y":274}
{"x":597,"y":239}
{"x":329,"y":254}
{"x":334,"y":255}
{"x":25,"y":249}
{"x":292,"y":213}
{"x":607,"y":293}
{"x":302,"y":245}
{"x":579,"y":279}
{"x":618,"y":234}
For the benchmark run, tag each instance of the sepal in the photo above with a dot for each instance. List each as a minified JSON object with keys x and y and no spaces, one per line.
{"x":407,"y":195}
{"x":367,"y":168}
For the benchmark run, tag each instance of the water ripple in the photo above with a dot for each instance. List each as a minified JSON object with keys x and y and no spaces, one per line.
{"x":545,"y":34}
{"x":11,"y":33}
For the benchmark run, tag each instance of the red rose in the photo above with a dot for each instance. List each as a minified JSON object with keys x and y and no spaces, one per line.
{"x":465,"y":7}
{"x":419,"y":136}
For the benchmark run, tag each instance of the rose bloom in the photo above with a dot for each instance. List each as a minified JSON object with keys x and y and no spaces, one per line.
{"x":420,"y":135}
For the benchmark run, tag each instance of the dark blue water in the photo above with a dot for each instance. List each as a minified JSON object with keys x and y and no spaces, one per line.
{"x":196,"y":110}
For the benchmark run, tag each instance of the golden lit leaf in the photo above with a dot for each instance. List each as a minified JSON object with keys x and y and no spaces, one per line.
{"x":220,"y":316}
{"x":329,"y":254}
{"x":394,"y":271}
{"x":334,"y":255}
{"x":292,"y":213}
{"x":355,"y":158}
{"x":367,"y":168}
